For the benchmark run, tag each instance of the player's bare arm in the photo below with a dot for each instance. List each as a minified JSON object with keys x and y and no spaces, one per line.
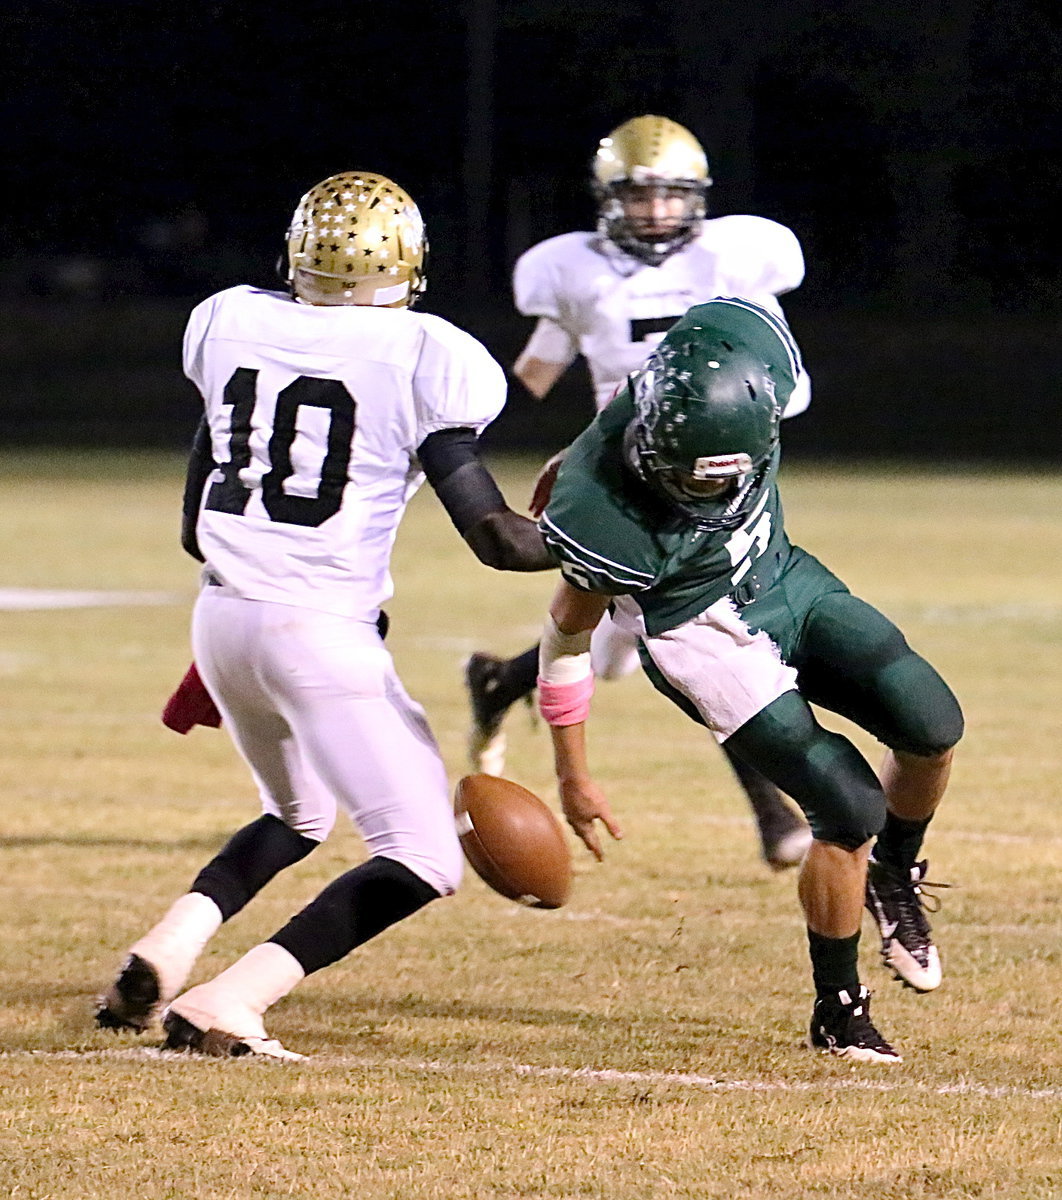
{"x":575,"y":611}
{"x":499,"y":537}
{"x":565,"y":684}
{"x":537,"y":375}
{"x":549,"y":352}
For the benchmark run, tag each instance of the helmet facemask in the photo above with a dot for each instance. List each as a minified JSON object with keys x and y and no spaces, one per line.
{"x":626,"y":216}
{"x":357,"y":238}
{"x":703,"y":439}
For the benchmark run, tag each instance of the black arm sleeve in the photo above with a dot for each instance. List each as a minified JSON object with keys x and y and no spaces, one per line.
{"x":498,"y":537}
{"x":200,"y":464}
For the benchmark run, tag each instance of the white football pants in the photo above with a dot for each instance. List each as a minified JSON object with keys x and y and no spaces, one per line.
{"x":314,"y":705}
{"x":727,"y":670}
{"x":613,"y":651}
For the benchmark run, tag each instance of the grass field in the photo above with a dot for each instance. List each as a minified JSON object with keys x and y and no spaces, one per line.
{"x":645,"y":1041}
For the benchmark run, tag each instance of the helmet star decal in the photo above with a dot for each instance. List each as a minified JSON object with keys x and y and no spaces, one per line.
{"x":345,"y":220}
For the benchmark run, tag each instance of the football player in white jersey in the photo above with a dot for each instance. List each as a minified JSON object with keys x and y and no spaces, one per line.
{"x":325,"y":407}
{"x":610,"y":295}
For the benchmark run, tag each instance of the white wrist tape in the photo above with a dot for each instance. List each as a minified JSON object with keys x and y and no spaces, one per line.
{"x":565,"y":675}
{"x":563,"y":657}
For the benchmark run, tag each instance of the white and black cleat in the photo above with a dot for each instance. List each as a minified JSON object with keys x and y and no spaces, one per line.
{"x":897,"y":902}
{"x":210,"y":1020}
{"x":486,"y":738}
{"x":181,"y":1034}
{"x":841,"y":1026}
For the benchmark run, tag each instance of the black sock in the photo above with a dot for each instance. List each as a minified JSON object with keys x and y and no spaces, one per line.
{"x":899,"y":842}
{"x":248,"y":861}
{"x":517,"y":678}
{"x":351,"y":910}
{"x":834,"y":963}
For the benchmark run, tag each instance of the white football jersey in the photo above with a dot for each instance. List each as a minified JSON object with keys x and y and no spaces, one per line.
{"x":615,"y":308}
{"x":315,"y":415}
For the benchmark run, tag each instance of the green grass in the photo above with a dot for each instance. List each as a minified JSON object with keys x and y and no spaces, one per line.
{"x":645,"y":1041}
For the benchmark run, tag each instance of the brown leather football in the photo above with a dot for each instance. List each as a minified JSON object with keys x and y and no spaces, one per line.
{"x":513,"y":841}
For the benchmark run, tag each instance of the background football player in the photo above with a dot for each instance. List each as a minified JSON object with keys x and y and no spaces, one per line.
{"x":610,"y":295}
{"x":667,"y":508}
{"x":323,"y":409}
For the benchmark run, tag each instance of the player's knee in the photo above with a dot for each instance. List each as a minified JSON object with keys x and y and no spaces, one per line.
{"x":312,"y":817}
{"x":313,"y":825}
{"x":823,"y":772}
{"x":931,"y":740}
{"x":446,"y":864}
{"x":441,"y":870}
{"x":928,"y":719}
{"x":451,"y":874}
{"x":941,"y":729}
{"x":848,"y":804}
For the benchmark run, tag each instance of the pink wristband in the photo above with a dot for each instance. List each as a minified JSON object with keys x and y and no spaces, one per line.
{"x":565,"y":703}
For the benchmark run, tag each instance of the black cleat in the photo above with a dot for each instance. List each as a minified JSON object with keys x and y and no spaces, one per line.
{"x":897,"y":903}
{"x":133,"y":999}
{"x":841,"y":1025}
{"x":183,"y":1035}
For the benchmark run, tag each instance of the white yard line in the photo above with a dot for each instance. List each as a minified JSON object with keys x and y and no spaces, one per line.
{"x":986,"y":614}
{"x":1050,"y":933}
{"x":740,"y":821}
{"x":16,"y":599}
{"x":964,"y":1087}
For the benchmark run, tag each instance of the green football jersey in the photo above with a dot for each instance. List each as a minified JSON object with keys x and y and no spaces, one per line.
{"x":614,"y":535}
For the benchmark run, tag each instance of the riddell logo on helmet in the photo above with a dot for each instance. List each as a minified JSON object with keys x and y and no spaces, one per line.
{"x":716,"y":465}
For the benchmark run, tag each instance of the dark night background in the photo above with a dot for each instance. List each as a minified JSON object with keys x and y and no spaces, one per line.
{"x":155,"y":153}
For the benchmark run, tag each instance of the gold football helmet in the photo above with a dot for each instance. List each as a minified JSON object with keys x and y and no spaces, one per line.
{"x":357,"y":238}
{"x":650,"y":178}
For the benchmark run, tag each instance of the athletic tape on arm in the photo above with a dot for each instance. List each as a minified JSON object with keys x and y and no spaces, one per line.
{"x":565,"y":675}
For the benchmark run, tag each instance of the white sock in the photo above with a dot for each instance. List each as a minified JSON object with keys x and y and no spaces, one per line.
{"x":173,"y":945}
{"x":261,"y":977}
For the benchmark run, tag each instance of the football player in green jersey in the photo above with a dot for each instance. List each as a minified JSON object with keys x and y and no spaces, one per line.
{"x":610,"y":295}
{"x":666,"y":512}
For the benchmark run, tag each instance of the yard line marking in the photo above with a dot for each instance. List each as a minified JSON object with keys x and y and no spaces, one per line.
{"x":1015,"y":839}
{"x":1051,"y":933}
{"x":711,"y":1083}
{"x":463,"y":644}
{"x":18,"y":599}
{"x":968,"y":614}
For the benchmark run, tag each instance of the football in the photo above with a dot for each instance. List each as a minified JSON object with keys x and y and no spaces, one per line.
{"x":513,"y":841}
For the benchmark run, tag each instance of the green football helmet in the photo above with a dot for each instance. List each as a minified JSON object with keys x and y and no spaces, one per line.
{"x":705,"y":428}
